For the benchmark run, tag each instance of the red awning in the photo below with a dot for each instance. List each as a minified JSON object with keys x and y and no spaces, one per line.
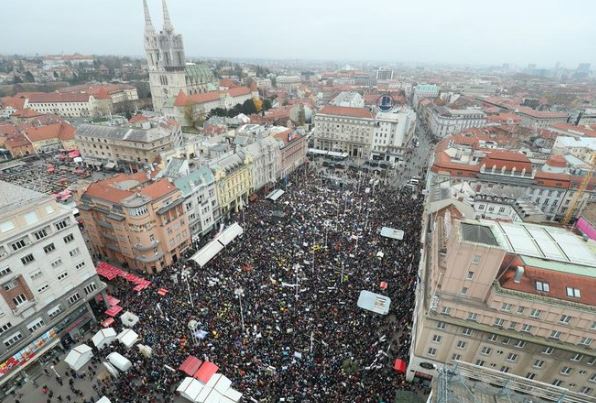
{"x":111,"y":300}
{"x":74,"y":154}
{"x":108,"y":322}
{"x":400,"y":366}
{"x":206,"y":371}
{"x":383,"y":285}
{"x":107,"y":270}
{"x":113,"y":311}
{"x":162,"y":292}
{"x":191,"y":365}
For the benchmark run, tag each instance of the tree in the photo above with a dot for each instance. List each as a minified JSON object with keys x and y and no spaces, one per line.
{"x":29,"y":77}
{"x":258,"y":104}
{"x":218,"y":112}
{"x":248,"y":107}
{"x":301,"y":120}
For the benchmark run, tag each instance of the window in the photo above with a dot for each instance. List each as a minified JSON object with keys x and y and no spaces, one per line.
{"x":557,"y":382}
{"x":36,"y":324}
{"x":470,"y":275}
{"x":480,"y":363}
{"x":464,"y":290}
{"x":513,"y":325}
{"x":19,"y":299}
{"x":20,"y":244}
{"x":521,"y":309}
{"x":432,"y":351}
{"x":519,"y":344}
{"x":548,"y":350}
{"x":13,"y":339}
{"x":542,"y":286}
{"x":505,"y":340}
{"x":473,"y":316}
{"x":43,"y":288}
{"x":62,"y":276}
{"x":461,"y":344}
{"x":512,"y":357}
{"x":80,"y":265}
{"x":5,"y":271}
{"x":437,"y":338}
{"x":446,"y":310}
{"x":577,"y":357}
{"x":41,"y":234}
{"x":56,"y":263}
{"x":565,"y":319}
{"x":456,"y":357}
{"x":504,"y":369}
{"x":27,"y":259}
{"x":566,"y":370}
{"x":68,"y":238}
{"x":586,"y":390}
{"x":90,"y":288}
{"x":74,"y":252}
{"x":492,"y":337}
{"x":573,"y":292}
{"x":467,"y":331}
{"x":486,"y":350}
{"x":61,"y":224}
{"x":591,"y":360}
{"x":526,"y":328}
{"x":586,"y":341}
{"x":49,"y":248}
{"x":441,"y":325}
{"x":555,"y":334}
{"x":535,"y":313}
{"x":499,"y":322}
{"x":5,"y":327}
{"x":476,"y":259}
{"x":593,"y":377}
{"x":530,"y":375}
{"x":506,"y":307}
{"x":538,"y":364}
{"x":10,"y":285}
{"x":55,"y":311}
{"x":74,"y":298}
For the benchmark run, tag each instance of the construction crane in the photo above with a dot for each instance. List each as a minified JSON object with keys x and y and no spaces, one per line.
{"x":580,"y":190}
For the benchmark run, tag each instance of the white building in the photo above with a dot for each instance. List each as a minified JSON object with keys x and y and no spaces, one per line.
{"x":47,"y":277}
{"x":349,"y":99}
{"x":266,"y":161}
{"x":68,"y":105}
{"x":343,"y":129}
{"x":445,"y":121}
{"x":393,"y":132}
{"x":288,"y":82}
{"x":422,"y":91}
{"x":384,"y":74}
{"x":579,"y":147}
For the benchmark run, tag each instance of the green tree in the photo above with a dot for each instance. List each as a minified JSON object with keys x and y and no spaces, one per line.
{"x":248,"y":107}
{"x":29,"y":77}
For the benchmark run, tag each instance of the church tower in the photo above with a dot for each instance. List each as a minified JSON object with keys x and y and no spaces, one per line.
{"x":165,"y":57}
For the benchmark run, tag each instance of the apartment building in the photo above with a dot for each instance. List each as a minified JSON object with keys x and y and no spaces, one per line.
{"x":345,"y":129}
{"x":292,"y":148}
{"x":233,"y":181}
{"x":446,"y":121}
{"x":135,"y":220}
{"x":127,"y":147}
{"x":579,"y":147}
{"x":393,"y":133}
{"x":537,"y":119}
{"x":47,"y":278}
{"x":514,"y":297}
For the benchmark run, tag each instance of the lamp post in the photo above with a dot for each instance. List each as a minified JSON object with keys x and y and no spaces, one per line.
{"x":239,"y":292}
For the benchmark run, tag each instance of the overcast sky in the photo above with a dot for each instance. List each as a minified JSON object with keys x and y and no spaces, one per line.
{"x":445,"y":31}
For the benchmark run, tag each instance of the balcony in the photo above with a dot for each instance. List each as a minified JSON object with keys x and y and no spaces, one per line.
{"x":142,"y":248}
{"x":109,"y":235}
{"x":104,"y":224}
{"x":149,"y":259}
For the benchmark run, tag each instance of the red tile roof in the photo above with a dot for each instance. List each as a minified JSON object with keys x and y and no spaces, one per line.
{"x":540,"y":114}
{"x":158,"y":189}
{"x":239,"y":91}
{"x":346,"y":111}
{"x":557,"y":161}
{"x":185,"y":100}
{"x":17,"y":102}
{"x":228,"y":83}
{"x":61,"y":131}
{"x":56,"y":97}
{"x":558,"y":283}
{"x":508,"y":160}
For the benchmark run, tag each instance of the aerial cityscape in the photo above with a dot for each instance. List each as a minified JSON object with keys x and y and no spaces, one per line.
{"x":311,"y":202}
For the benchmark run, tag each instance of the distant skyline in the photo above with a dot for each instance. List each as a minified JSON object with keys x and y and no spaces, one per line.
{"x":432,"y":31}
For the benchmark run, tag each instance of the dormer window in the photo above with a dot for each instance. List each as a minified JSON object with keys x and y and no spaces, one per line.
{"x":573,"y":292}
{"x":542,"y":286}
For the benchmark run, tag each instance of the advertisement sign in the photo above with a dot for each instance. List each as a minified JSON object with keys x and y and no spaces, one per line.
{"x":28,"y":353}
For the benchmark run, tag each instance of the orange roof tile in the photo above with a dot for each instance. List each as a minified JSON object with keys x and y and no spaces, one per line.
{"x":346,"y":111}
{"x":184,"y":100}
{"x":158,"y":189}
{"x":239,"y":91}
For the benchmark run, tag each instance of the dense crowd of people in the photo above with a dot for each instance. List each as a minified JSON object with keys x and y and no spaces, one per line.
{"x":276,"y":309}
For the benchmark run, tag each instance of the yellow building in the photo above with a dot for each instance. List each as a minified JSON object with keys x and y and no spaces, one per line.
{"x":233,"y":181}
{"x":51,"y":137}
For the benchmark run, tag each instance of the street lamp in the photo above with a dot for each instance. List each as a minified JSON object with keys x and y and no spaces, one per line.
{"x":239,"y":293}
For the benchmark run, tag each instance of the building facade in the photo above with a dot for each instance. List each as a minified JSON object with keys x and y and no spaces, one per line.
{"x":293,"y":147}
{"x":507,"y":296}
{"x":392,"y":134}
{"x":135,"y":220}
{"x":233,"y":181}
{"x":445,"y":121}
{"x":47,"y":278}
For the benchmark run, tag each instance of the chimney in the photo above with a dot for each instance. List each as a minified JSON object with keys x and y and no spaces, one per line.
{"x":519,"y":272}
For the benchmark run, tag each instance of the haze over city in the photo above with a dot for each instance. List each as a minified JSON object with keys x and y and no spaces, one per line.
{"x":455,"y":32}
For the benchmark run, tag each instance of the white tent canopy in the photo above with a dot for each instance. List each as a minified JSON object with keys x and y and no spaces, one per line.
{"x":276,"y":194}
{"x":129,"y":319}
{"x":374,"y":302}
{"x":79,"y":356}
{"x":392,"y":233}
{"x":104,"y":400}
{"x":104,"y":337}
{"x":207,"y":252}
{"x":113,"y":371}
{"x":128,"y":337}
{"x":145,"y":350}
{"x":230,"y":234}
{"x":190,"y":389}
{"x":119,"y":361}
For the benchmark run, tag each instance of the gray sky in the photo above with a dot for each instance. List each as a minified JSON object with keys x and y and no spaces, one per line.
{"x":445,"y":31}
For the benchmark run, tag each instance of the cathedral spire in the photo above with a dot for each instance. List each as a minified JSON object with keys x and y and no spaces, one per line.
{"x":167,"y":24}
{"x":148,"y":24}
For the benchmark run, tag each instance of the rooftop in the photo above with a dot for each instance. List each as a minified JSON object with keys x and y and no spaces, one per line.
{"x":122,"y":133}
{"x":346,"y":111}
{"x":13,"y":197}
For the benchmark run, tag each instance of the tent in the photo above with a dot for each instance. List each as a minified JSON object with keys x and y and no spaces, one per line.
{"x":232,"y":395}
{"x":119,"y":361}
{"x":374,"y":302}
{"x":128,"y":337}
{"x":104,"y":337}
{"x":104,"y":400}
{"x":107,"y":322}
{"x":145,"y":350}
{"x":79,"y":356}
{"x":113,"y":371}
{"x":400,"y":366}
{"x":207,"y":252}
{"x":274,"y":195}
{"x":392,"y":233}
{"x":191,"y":365}
{"x":230,"y":234}
{"x":206,"y":371}
{"x":129,"y":319}
{"x":190,"y":389}
{"x":114,"y":310}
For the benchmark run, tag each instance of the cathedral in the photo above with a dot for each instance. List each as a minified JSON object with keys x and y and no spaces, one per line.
{"x":168,"y":71}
